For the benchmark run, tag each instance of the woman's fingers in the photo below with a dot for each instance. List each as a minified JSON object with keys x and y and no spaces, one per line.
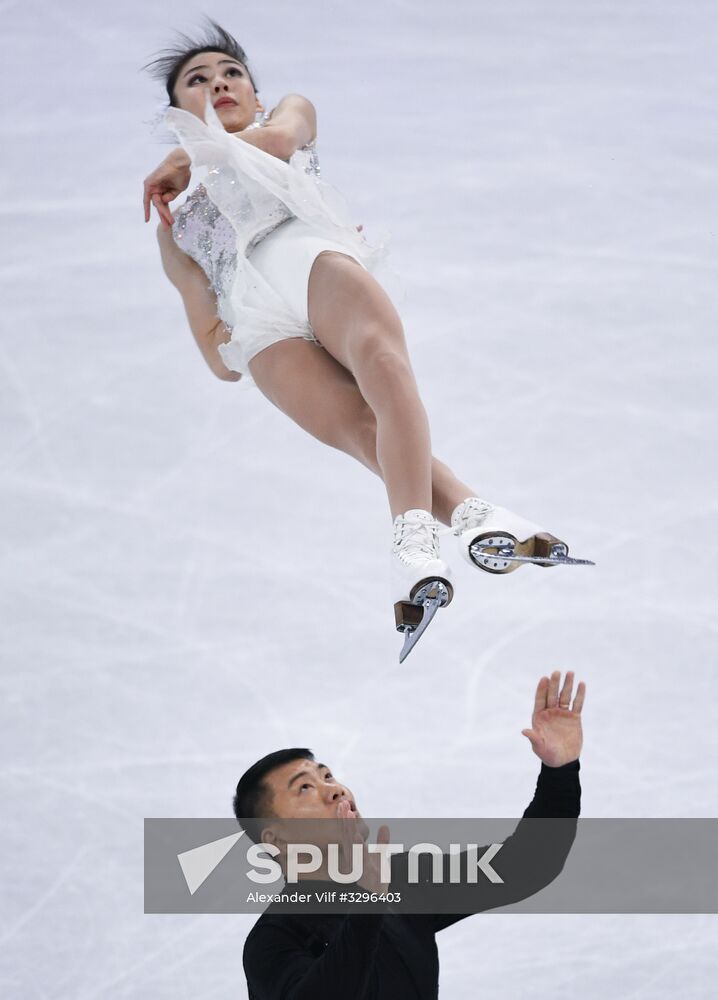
{"x":157,"y":202}
{"x":159,"y":192}
{"x":162,"y":210}
{"x":167,"y":197}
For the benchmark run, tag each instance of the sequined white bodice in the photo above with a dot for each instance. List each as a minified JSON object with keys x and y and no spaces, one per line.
{"x":208,"y":237}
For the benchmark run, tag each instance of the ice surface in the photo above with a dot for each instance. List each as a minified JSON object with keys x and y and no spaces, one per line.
{"x":548,"y":173}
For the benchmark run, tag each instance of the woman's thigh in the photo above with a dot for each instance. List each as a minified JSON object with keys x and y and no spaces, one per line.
{"x":350,"y":312}
{"x":304,"y":381}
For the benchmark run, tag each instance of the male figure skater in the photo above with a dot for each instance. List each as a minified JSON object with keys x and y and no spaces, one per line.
{"x":389,"y":956}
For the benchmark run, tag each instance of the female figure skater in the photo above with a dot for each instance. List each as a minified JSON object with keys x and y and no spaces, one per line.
{"x":292,"y":306}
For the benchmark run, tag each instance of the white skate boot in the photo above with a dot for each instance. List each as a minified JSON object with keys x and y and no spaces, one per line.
{"x":421,"y":580}
{"x":498,"y":541}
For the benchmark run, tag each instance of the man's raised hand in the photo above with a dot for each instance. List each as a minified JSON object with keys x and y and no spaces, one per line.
{"x":556,"y":736}
{"x":353,"y":830}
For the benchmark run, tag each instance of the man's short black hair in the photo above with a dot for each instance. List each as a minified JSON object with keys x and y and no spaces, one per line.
{"x":167,"y":64}
{"x":253,"y":799}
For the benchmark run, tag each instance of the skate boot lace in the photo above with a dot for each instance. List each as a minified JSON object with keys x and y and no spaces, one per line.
{"x":471,"y":514}
{"x":416,"y":541}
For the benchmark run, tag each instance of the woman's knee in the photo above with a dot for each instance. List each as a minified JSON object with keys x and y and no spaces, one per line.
{"x":378,"y":353}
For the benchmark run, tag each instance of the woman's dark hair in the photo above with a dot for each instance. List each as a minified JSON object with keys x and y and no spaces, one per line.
{"x":253,"y":798}
{"x":168,"y":62}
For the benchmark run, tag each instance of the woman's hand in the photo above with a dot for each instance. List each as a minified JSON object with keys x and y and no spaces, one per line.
{"x":164,"y":184}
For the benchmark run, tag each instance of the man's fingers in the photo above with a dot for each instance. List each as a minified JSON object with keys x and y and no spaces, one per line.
{"x":564,"y":699}
{"x":541,"y":694}
{"x":552,"y":696}
{"x":343,"y":810}
{"x":382,"y":836}
{"x":530,"y":736}
{"x":580,"y":695}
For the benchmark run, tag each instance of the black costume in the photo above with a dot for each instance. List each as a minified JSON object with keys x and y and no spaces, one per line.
{"x":370,"y":956}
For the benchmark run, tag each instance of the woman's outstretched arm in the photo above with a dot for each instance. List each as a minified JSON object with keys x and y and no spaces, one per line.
{"x":200,"y":303}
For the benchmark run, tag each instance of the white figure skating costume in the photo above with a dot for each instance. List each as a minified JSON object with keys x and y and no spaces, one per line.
{"x":256,"y":225}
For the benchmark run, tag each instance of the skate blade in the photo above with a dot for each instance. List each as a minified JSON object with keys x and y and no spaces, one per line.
{"x":414,"y":617}
{"x":502,"y":553}
{"x":550,"y":560}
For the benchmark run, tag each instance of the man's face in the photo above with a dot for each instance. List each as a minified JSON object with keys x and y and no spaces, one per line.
{"x":308,"y":791}
{"x":304,"y":789}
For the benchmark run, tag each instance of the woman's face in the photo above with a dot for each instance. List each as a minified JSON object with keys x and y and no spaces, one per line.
{"x":228,"y":84}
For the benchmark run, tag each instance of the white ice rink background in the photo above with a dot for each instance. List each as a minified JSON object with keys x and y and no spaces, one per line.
{"x":189,"y":582}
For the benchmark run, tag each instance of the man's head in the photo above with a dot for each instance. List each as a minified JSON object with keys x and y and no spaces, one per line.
{"x":213,"y":65}
{"x":285,"y":785}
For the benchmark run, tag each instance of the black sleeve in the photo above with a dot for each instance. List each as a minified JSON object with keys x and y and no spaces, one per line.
{"x":534,"y":855}
{"x":280,"y":966}
{"x":558,"y":792}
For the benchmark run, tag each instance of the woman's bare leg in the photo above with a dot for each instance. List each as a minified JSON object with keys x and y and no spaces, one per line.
{"x":355,"y":321}
{"x":447,"y":492}
{"x":306,"y":383}
{"x":322,"y":397}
